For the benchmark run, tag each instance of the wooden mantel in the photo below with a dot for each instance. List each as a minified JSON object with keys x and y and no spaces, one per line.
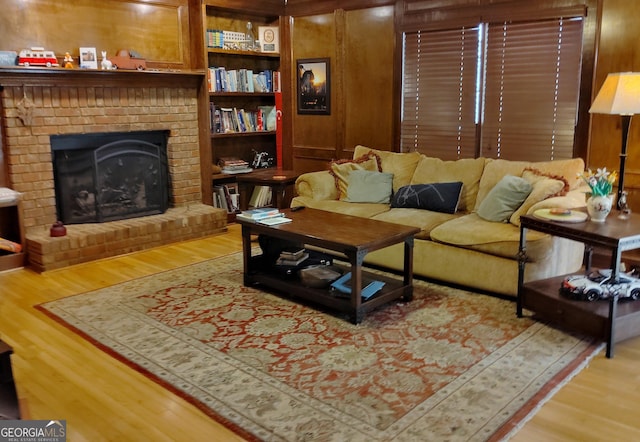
{"x":29,"y":76}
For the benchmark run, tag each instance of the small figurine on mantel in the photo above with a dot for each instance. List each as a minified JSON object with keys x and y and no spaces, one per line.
{"x":106,"y":63}
{"x":68,"y":61}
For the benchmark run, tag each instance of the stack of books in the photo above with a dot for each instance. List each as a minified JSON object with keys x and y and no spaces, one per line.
{"x":292,"y":257}
{"x":234,"y":165}
{"x":263,"y":215}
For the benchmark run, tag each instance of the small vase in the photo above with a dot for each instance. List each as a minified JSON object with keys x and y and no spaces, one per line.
{"x":599,"y":207}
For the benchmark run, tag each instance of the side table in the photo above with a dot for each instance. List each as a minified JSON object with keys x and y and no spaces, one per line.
{"x":279,"y":180}
{"x":610,"y":321}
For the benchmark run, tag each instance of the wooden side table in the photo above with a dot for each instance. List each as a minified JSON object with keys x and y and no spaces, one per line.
{"x":610,"y":321}
{"x":281,"y":182}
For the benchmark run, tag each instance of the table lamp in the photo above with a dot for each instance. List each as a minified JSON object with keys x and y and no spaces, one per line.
{"x":620,"y":95}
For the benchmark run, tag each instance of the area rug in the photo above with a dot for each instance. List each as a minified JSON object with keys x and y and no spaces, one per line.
{"x":449,"y":365}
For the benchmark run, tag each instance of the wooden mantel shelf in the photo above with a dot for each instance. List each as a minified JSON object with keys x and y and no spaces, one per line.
{"x":30,"y":76}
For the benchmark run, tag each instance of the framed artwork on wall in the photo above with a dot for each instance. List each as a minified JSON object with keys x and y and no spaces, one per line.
{"x":314,"y":86}
{"x":88,"y":58}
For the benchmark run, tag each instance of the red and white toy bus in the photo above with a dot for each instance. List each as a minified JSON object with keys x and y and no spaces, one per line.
{"x":37,"y":57}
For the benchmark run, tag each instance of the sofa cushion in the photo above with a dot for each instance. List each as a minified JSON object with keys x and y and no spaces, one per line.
{"x":369,"y":187}
{"x":342,"y":168}
{"x":439,"y":197}
{"x":425,"y":220}
{"x":500,"y":239}
{"x":494,"y":170}
{"x":543,"y":187}
{"x":504,"y":199}
{"x":363,"y":210}
{"x":401,"y":165}
{"x":467,"y":170}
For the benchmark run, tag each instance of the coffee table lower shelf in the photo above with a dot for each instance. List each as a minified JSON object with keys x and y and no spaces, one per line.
{"x":543,"y":297}
{"x":291,"y":286}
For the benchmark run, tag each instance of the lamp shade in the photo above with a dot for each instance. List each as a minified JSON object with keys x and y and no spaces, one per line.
{"x":619,"y":95}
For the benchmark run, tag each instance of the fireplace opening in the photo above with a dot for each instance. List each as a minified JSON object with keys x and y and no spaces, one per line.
{"x":103,"y":177}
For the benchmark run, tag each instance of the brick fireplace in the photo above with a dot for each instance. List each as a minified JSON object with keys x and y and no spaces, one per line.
{"x":37,"y":106}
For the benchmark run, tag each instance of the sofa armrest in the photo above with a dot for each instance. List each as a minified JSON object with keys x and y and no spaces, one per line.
{"x":320,"y":185}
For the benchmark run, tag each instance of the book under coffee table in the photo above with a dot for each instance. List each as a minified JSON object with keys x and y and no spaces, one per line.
{"x":346,"y":235}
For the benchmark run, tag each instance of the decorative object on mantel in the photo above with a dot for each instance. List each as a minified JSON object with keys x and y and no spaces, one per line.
{"x":600,"y":201}
{"x":88,"y":58}
{"x":68,"y":61}
{"x":620,"y":95}
{"x":57,"y":229}
{"x":106,"y":64}
{"x":8,"y":58}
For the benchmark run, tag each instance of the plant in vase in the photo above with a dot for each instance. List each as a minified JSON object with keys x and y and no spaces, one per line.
{"x":600,"y":199}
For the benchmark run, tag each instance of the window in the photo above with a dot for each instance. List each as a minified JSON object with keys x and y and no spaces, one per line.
{"x":497,"y":89}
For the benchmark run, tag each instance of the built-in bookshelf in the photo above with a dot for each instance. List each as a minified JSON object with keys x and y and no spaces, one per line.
{"x":243,"y":82}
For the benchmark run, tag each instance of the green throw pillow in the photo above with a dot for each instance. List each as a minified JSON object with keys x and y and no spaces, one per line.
{"x":369,"y":187}
{"x":504,"y":199}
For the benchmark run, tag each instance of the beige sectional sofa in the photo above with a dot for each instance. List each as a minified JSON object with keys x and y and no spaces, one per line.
{"x":462,"y":247}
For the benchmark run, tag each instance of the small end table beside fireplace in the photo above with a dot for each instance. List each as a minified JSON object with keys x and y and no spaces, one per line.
{"x":281,"y":182}
{"x":610,"y":320}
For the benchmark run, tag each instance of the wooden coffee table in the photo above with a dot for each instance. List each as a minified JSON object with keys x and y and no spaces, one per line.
{"x":351,"y":236}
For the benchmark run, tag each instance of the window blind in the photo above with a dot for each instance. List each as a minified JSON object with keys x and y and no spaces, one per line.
{"x":439,"y":92}
{"x":504,"y":90}
{"x":532,"y":88}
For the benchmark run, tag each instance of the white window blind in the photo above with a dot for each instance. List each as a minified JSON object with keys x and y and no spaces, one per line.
{"x":503,"y":90}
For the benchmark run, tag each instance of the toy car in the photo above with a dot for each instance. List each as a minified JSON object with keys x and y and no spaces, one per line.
{"x":37,"y":57}
{"x":125,"y":59}
{"x":599,"y":285}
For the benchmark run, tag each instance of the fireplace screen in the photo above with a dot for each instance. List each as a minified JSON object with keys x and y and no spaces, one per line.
{"x":110,"y":176}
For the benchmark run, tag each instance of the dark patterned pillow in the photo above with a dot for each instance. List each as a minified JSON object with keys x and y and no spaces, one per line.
{"x":438,"y":197}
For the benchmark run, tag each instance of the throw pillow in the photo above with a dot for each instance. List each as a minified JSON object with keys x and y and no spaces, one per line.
{"x":369,"y":187}
{"x":341,"y":170}
{"x":543,"y":186}
{"x":438,"y":197}
{"x":504,"y":198}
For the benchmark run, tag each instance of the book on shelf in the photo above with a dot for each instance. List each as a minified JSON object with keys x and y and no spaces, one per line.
{"x":369,"y":286}
{"x":243,"y":80}
{"x":292,"y":262}
{"x":232,"y":165}
{"x":260,"y":197}
{"x":226,"y":196}
{"x":292,"y":253}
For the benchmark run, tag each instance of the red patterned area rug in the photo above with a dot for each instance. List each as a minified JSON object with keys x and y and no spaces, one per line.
{"x":450,"y":365}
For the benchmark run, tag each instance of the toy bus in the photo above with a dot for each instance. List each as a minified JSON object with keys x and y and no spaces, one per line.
{"x":37,"y":57}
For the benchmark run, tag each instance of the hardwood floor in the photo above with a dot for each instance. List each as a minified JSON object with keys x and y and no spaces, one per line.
{"x":61,"y":376}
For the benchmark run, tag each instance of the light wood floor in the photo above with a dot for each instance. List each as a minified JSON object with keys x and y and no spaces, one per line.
{"x":61,"y":376}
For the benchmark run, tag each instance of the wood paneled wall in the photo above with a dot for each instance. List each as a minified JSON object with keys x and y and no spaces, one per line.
{"x":618,"y":51}
{"x":158,"y":30}
{"x":360,"y":45}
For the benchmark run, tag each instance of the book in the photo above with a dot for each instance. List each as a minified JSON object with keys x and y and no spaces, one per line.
{"x":292,"y":254}
{"x":259,"y":213}
{"x":292,"y":262}
{"x":239,"y":216}
{"x":274,"y":221}
{"x":369,"y":287}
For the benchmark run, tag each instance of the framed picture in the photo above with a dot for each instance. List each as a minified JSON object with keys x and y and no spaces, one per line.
{"x":88,"y":58}
{"x":314,"y":86}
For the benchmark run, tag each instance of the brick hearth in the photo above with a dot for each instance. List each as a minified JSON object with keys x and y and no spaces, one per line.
{"x":34,"y":110}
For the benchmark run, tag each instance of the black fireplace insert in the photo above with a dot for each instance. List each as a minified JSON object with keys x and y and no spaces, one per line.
{"x":109,"y":176}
